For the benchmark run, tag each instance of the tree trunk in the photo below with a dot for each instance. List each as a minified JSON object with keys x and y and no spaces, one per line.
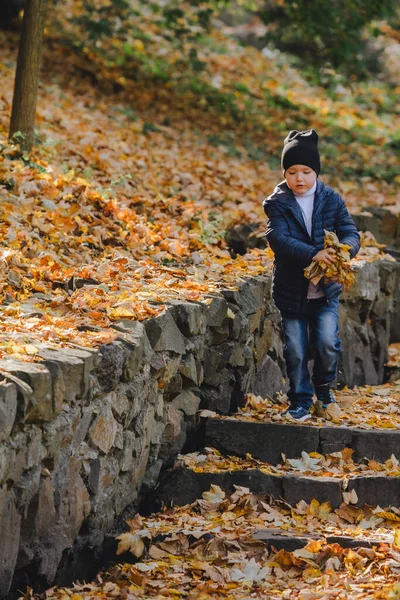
{"x":27,"y":75}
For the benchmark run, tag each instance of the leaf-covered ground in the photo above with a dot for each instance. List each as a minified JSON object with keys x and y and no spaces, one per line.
{"x":208,"y":550}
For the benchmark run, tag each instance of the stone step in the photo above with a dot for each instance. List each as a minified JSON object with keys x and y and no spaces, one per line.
{"x":290,"y":540}
{"x":273,"y":537}
{"x":182,"y":486}
{"x":267,"y":441}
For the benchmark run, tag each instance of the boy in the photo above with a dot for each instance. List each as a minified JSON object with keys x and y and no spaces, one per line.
{"x":298,"y":211}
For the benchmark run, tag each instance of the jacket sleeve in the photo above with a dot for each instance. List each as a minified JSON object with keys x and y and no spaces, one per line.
{"x":345,"y":228}
{"x":282,"y":243}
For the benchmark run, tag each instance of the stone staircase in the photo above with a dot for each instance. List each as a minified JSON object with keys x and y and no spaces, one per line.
{"x":260,"y":446}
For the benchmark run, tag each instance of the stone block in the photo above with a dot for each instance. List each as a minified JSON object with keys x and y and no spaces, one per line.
{"x":255,"y":320}
{"x":189,"y":316}
{"x":265,"y":441}
{"x":45,"y":519}
{"x":156,"y":435}
{"x":10,"y":523}
{"x":217,"y":310}
{"x":390,"y":225}
{"x":119,"y":402}
{"x":7,"y":462}
{"x":376,"y":491}
{"x":90,"y":356}
{"x":211,"y":365}
{"x":376,"y":444}
{"x":187,"y":402}
{"x":335,"y":439}
{"x":356,"y":364}
{"x":139,"y":394}
{"x":256,"y":481}
{"x":388,"y":273}
{"x":366,"y":286}
{"x":323,"y":489}
{"x":70,"y":378}
{"x":239,"y":327}
{"x":8,"y":408}
{"x":103,"y":430}
{"x":268,"y":378}
{"x":164,"y":334}
{"x":291,"y":540}
{"x":218,"y":397}
{"x":72,"y":501}
{"x":267,"y":338}
{"x":111,"y":367}
{"x":103,"y":501}
{"x":64,"y":432}
{"x":35,"y":402}
{"x":174,"y":434}
{"x":13,"y":458}
{"x":139,"y":352}
{"x":144,"y":422}
{"x":168,"y":372}
{"x":191,"y":369}
{"x":26,"y":488}
{"x":250,"y":296}
{"x":34,"y":448}
{"x":182,"y":486}
{"x":237,"y":357}
{"x":173,"y":387}
{"x":133,"y":446}
{"x":151,"y":475}
{"x":279,"y":538}
{"x":217,"y":335}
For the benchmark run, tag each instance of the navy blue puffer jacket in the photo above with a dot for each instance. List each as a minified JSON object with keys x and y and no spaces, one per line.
{"x":294,"y":248}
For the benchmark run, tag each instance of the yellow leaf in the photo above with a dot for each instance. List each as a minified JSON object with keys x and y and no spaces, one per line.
{"x":350,"y":497}
{"x":310,"y":574}
{"x":388,"y":516}
{"x":123,"y":311}
{"x":215,"y":494}
{"x":131,"y":542}
{"x":31,"y":349}
{"x":396,"y":539}
{"x":314,"y":506}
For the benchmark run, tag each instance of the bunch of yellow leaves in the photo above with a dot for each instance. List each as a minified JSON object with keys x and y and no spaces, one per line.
{"x":339,"y":271}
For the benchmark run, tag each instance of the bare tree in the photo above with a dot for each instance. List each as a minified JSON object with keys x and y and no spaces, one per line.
{"x":23,"y":113}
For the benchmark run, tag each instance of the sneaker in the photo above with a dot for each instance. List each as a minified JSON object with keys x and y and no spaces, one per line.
{"x":325,"y":396}
{"x":299,"y":413}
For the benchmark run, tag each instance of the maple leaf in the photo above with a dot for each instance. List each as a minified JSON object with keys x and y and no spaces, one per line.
{"x":305,"y":463}
{"x":250,"y":573}
{"x":350,"y":497}
{"x":133,"y":542}
{"x":214,"y":495}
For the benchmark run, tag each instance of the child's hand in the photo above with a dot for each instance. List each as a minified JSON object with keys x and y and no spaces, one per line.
{"x":326,"y":255}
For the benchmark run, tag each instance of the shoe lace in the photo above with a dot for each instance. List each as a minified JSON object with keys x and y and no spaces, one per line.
{"x":325,"y":396}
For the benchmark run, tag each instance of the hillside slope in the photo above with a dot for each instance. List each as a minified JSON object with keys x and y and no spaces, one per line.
{"x":125,"y":201}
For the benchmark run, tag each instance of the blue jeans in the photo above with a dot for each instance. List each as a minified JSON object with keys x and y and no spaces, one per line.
{"x":317,"y":331}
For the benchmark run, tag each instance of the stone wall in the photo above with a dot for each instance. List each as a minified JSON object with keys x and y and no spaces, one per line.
{"x":85,"y":433}
{"x":382,"y":222}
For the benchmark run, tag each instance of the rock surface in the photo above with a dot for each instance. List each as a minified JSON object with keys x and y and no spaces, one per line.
{"x":267,"y":441}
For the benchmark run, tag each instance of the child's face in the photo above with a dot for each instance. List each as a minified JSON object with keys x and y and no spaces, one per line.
{"x":300,"y":178}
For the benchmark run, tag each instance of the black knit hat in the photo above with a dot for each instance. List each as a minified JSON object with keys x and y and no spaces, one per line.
{"x":301,"y":148}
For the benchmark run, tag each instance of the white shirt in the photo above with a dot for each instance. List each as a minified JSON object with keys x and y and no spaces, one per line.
{"x":306,"y":203}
